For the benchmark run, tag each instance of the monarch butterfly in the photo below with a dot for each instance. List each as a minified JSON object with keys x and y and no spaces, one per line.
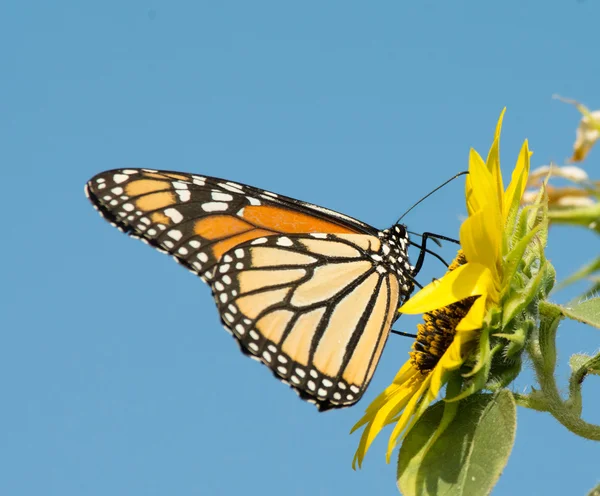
{"x":309,"y":292}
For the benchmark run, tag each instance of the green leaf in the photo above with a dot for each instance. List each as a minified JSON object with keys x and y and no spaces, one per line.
{"x":582,"y":365}
{"x":587,"y":311}
{"x":468,"y":458}
{"x":582,"y":216}
{"x":594,"y":290}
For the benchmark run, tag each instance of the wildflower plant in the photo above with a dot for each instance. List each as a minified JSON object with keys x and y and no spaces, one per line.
{"x":488,"y":314}
{"x":576,"y":203}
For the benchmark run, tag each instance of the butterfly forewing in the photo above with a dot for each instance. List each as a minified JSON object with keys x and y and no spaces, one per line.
{"x":197,"y":219}
{"x":310,"y":292}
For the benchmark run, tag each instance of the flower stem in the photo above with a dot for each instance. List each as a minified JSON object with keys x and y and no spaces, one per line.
{"x":542,"y":350}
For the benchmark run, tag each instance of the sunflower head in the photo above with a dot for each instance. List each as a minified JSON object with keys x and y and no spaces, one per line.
{"x":436,"y":333}
{"x":476,"y":316}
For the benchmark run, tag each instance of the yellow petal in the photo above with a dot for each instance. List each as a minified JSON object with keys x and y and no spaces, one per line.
{"x":493,"y":159}
{"x":405,"y":373}
{"x":453,"y":357}
{"x":518,"y":182}
{"x":499,"y":124}
{"x":438,"y":376}
{"x":406,"y":416}
{"x":475,"y":160}
{"x":474,"y":318}
{"x":471,"y":279}
{"x":481,"y":182}
{"x":403,"y":377}
{"x":481,"y":236}
{"x":383,"y":417}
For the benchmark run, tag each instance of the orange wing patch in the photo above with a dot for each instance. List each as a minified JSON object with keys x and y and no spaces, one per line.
{"x":156,"y":201}
{"x":159,"y":218}
{"x":230,"y":229}
{"x":220,"y":226}
{"x":145,"y":186}
{"x":259,"y":221}
{"x":288,"y":221}
{"x":222,"y":246}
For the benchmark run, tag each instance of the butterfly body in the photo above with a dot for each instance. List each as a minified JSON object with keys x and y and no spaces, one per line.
{"x":309,"y":292}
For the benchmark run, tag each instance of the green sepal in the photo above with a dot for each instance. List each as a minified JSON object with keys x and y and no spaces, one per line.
{"x":517,"y":338}
{"x":514,"y":258}
{"x":483,"y":353}
{"x":519,"y":300}
{"x":477,"y":381}
{"x":504,"y":373}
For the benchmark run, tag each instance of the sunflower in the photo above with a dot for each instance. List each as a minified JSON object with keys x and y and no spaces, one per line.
{"x":456,"y":306}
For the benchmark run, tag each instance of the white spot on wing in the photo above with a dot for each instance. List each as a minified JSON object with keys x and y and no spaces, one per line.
{"x":221,"y":196}
{"x":174,"y":215}
{"x":283,"y":241}
{"x":214,"y":207}
{"x":184,"y":194}
{"x":236,"y":188}
{"x":120,"y":178}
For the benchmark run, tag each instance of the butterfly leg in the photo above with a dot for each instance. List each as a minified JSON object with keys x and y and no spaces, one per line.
{"x":424,"y":250}
{"x":405,"y":334}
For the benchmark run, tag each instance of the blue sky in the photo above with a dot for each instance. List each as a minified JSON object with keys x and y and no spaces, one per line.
{"x":116,"y":375}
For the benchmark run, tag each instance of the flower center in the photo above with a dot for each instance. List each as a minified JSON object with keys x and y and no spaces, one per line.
{"x":435,"y":335}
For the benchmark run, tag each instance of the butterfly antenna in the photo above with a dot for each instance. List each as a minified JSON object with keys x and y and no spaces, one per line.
{"x":431,"y":193}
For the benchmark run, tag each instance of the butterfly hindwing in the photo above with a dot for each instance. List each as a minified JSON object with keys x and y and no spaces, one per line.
{"x":316,"y":309}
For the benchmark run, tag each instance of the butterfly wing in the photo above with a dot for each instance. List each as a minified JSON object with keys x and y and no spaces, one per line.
{"x":197,"y":219}
{"x":316,"y":309}
{"x":308,"y":291}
